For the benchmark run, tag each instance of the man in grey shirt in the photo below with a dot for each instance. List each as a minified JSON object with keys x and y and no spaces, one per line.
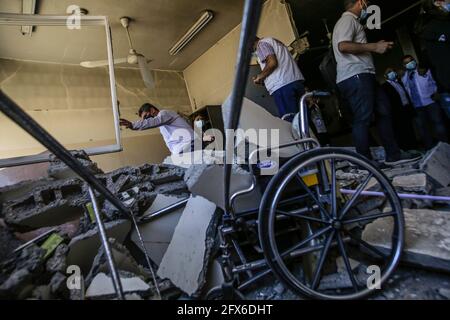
{"x":357,"y":82}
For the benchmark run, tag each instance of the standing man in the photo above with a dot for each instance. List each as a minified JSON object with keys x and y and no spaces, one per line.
{"x":357,"y":82}
{"x":177,"y":133}
{"x":422,"y":89}
{"x":402,"y":111}
{"x":280,"y":74}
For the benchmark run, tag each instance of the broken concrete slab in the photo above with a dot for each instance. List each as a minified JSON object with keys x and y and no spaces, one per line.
{"x":83,"y":248}
{"x":122,"y":258}
{"x":8,"y":242}
{"x":436,"y":164}
{"x":415,"y":183}
{"x":102,"y":287}
{"x":199,"y":179}
{"x":191,"y":246}
{"x":15,"y":191}
{"x":427,"y":237}
{"x":158,"y":233}
{"x":57,"y":262}
{"x":59,"y":170}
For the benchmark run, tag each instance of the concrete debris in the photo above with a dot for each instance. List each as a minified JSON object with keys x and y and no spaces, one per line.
{"x":102,"y":286}
{"x":8,"y":242}
{"x":158,"y":233}
{"x":83,"y":248}
{"x":42,"y":293}
{"x":199,"y":178}
{"x":123,"y":259}
{"x":436,"y":164}
{"x":58,"y":285}
{"x":15,"y":191}
{"x":57,"y":263}
{"x":427,"y":237}
{"x":418,"y":183}
{"x":58,"y":169}
{"x":191,"y":246}
{"x":51,"y":205}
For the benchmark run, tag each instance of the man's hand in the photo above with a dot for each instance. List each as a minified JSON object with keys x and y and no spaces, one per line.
{"x":259,"y":80}
{"x":208,"y":138}
{"x":382,"y":46}
{"x":125,"y":123}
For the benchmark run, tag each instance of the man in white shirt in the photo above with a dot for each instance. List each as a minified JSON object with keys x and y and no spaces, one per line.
{"x":280,"y":74}
{"x":357,"y":82}
{"x":177,"y":133}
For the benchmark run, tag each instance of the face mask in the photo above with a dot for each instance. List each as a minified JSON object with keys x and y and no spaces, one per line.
{"x":199,"y":124}
{"x":364,"y":13}
{"x":446,"y":7}
{"x":411,"y":65}
{"x":392,"y":75}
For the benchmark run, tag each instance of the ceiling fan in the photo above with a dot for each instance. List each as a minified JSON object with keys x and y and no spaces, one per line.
{"x":133,"y":58}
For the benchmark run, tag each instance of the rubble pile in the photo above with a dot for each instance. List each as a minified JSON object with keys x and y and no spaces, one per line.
{"x":50,"y":243}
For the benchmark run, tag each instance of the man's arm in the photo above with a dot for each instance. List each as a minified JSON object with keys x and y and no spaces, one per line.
{"x":348,"y":47}
{"x":145,"y":124}
{"x":271,"y":66}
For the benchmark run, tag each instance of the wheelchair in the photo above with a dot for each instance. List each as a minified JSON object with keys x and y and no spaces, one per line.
{"x":319,"y":242}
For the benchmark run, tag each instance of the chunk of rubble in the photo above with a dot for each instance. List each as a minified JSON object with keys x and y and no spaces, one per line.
{"x":83,"y":248}
{"x":191,"y":246}
{"x":102,"y":286}
{"x":57,"y":262}
{"x":158,"y":233}
{"x":59,"y":170}
{"x":418,"y":183}
{"x":436,"y":164}
{"x":8,"y":242}
{"x":122,"y":258}
{"x":51,"y":205}
{"x":427,"y":237}
{"x":199,"y":179}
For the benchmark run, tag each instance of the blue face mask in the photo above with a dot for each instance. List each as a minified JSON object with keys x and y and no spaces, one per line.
{"x":363,"y":14}
{"x":411,"y":65}
{"x":392,"y":75}
{"x":447,"y":7}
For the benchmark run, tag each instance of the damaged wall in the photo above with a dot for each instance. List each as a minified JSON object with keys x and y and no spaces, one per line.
{"x":210,"y":77}
{"x":74,"y":105}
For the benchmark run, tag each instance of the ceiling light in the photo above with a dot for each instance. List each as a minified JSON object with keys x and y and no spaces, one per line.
{"x":190,"y":34}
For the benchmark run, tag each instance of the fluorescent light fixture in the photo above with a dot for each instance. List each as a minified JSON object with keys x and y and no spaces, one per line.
{"x":28,"y":7}
{"x":192,"y":32}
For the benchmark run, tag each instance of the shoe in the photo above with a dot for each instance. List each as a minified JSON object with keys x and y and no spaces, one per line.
{"x":404,"y":158}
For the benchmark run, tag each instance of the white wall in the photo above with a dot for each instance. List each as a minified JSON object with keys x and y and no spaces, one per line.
{"x":209,"y":78}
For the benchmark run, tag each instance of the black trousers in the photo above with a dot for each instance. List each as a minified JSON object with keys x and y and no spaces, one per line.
{"x":366,"y":99}
{"x":430,"y":122}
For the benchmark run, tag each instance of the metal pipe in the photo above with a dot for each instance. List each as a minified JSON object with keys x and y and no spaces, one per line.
{"x":400,"y":195}
{"x":163,"y":211}
{"x":109,"y":257}
{"x":252,"y":12}
{"x":29,"y":243}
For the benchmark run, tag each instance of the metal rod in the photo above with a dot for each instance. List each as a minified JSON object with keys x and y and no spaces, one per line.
{"x":29,"y":243}
{"x":103,"y":237}
{"x":163,"y":211}
{"x":400,"y":195}
{"x":252,"y":12}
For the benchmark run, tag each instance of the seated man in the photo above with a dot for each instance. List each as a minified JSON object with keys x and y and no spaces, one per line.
{"x":177,"y":133}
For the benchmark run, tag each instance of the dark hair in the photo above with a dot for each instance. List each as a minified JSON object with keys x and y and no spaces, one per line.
{"x":146,"y":107}
{"x":349,"y":3}
{"x":408,"y":56}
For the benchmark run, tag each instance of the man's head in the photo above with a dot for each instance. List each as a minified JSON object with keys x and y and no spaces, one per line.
{"x":391,"y":74}
{"x":148,"y":110}
{"x":356,"y":6}
{"x":255,"y":43}
{"x":409,"y":62}
{"x":437,"y":7}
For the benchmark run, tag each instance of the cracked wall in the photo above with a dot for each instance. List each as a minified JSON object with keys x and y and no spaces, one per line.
{"x":74,"y":105}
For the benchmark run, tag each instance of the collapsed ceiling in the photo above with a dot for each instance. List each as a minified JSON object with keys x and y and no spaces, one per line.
{"x":156,"y":26}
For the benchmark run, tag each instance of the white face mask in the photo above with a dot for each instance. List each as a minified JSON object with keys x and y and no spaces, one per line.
{"x":199,"y":124}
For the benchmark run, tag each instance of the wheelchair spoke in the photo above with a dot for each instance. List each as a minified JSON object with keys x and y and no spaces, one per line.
{"x":368,"y":218}
{"x":333,"y":189}
{"x":352,"y":201}
{"x":367,"y":245}
{"x":301,"y":216}
{"x":308,"y":239}
{"x":346,"y":261}
{"x":312,"y":195}
{"x":323,"y":255}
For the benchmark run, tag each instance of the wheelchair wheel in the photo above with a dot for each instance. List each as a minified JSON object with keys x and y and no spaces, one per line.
{"x":347,"y":243}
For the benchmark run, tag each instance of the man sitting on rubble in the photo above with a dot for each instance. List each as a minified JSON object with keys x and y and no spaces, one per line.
{"x":280,"y":74}
{"x":176,"y":131}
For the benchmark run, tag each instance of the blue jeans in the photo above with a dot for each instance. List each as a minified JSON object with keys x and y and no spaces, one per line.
{"x":366,"y":99}
{"x":287,"y":98}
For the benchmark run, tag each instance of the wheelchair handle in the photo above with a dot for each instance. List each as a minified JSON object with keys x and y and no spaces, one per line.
{"x":303,"y":119}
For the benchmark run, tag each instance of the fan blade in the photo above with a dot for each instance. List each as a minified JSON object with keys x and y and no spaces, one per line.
{"x":145,"y":72}
{"x":101,"y":63}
